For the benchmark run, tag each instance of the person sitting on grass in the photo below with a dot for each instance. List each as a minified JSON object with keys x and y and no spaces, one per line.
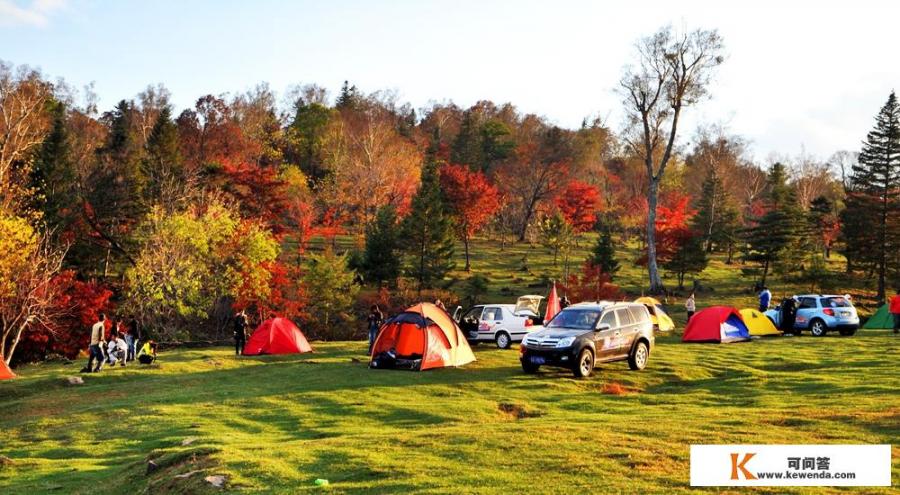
{"x":117,"y":350}
{"x":148,"y":353}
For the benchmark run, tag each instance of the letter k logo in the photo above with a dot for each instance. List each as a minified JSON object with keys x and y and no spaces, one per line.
{"x":735,"y":465}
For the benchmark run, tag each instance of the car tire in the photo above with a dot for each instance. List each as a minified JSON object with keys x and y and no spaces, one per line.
{"x":637,"y":360}
{"x":847,"y":332}
{"x":584,"y":366}
{"x":529,"y":368}
{"x":503,"y":340}
{"x":818,"y":328}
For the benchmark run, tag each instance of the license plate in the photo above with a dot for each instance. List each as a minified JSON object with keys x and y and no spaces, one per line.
{"x":538,"y":360}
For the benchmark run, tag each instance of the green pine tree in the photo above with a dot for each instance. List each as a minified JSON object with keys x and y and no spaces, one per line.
{"x":872,"y":216}
{"x":717,"y":218}
{"x":690,"y":257}
{"x":162,"y":164}
{"x":604,"y":253}
{"x":381,"y":258}
{"x":53,"y":173}
{"x":774,"y":233}
{"x":429,"y":230}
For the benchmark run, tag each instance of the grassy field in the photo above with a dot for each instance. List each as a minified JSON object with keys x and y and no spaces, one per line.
{"x":275,"y":424}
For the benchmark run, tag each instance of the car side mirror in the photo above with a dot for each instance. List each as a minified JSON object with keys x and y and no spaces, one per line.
{"x":603,"y":326}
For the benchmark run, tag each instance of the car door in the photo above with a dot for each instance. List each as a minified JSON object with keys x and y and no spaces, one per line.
{"x":806,"y":310}
{"x":604,"y":340}
{"x":469,"y":322}
{"x":638,"y":315}
{"x":620,"y":337}
{"x":491,"y":321}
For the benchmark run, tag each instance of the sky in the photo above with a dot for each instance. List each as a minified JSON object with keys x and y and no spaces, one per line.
{"x":800,"y":76}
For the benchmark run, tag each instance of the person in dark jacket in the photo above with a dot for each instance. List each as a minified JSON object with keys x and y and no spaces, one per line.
{"x":241,"y":322}
{"x":788,"y":314}
{"x":374,"y":322}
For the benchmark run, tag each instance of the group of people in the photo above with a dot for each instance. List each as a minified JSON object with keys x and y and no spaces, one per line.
{"x":120,"y":347}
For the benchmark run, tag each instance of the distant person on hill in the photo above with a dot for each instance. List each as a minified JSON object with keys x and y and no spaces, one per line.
{"x":440,"y":304}
{"x":895,"y":310}
{"x":374,"y":322}
{"x":765,"y":297}
{"x":95,"y":350}
{"x":690,"y":306}
{"x":564,"y":302}
{"x":147,"y":353}
{"x":788,"y":314}
{"x":241,"y":322}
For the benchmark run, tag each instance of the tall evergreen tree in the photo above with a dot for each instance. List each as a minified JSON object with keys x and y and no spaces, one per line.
{"x":604,"y":253}
{"x":778,"y":228}
{"x":872,"y":216}
{"x":690,"y":257}
{"x":162,"y":165}
{"x":53,"y":174}
{"x":381,"y":259}
{"x":429,"y":229}
{"x":717,"y":219}
{"x":349,"y":98}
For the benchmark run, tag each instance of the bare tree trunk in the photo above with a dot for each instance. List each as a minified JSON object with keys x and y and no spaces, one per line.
{"x":656,"y":285}
{"x":466,"y":245}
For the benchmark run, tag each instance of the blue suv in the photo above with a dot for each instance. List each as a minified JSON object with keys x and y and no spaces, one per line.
{"x":821,"y":313}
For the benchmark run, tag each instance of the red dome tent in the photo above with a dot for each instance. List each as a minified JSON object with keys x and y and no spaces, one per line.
{"x":716,"y":324}
{"x":277,"y":336}
{"x":422,"y":337}
{"x":5,"y":372}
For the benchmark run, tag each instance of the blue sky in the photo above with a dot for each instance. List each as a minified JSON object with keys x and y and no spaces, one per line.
{"x":799,"y":75}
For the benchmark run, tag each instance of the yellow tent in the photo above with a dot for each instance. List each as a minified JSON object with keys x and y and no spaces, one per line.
{"x":661,"y":321}
{"x":758,"y":323}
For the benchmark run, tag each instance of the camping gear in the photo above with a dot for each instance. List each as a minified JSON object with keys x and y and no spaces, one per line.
{"x":552,"y":305}
{"x":528,"y":306}
{"x":881,"y":319}
{"x":757,"y":323}
{"x":5,"y":372}
{"x":420,"y":338}
{"x":662,"y":322}
{"x":277,"y":336}
{"x":716,"y":324}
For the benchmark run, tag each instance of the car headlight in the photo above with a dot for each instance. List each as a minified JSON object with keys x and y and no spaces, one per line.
{"x":565,"y":342}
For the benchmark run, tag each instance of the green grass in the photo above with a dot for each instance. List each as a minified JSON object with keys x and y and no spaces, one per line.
{"x":275,"y":424}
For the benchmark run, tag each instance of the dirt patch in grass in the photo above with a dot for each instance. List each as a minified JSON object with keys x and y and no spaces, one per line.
{"x":614,"y":388}
{"x":518,"y":411}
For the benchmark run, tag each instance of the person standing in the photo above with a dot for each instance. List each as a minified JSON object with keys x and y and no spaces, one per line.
{"x":765,"y":297}
{"x":895,"y":310}
{"x":95,"y":350}
{"x":374,"y":322}
{"x":788,"y":314}
{"x":690,"y":306}
{"x":129,"y":339}
{"x":241,"y":322}
{"x":134,"y":330}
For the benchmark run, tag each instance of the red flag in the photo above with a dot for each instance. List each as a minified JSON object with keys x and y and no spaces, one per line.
{"x":552,"y":305}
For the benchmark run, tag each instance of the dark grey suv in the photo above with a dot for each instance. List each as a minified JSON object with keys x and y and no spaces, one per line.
{"x":587,"y":333}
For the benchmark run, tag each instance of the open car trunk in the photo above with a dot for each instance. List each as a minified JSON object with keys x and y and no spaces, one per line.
{"x":528,"y":306}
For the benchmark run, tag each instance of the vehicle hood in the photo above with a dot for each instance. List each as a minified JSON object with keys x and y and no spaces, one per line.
{"x":556,"y":333}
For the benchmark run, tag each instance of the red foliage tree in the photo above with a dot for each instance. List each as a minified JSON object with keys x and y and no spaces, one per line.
{"x":260,"y":192}
{"x":578,"y":203}
{"x":591,"y":285}
{"x":473,"y":200}
{"x":77,"y":308}
{"x":672,"y":217}
{"x":286,"y":297}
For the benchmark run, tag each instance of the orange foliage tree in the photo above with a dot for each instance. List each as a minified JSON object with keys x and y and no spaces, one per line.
{"x":472,"y":199}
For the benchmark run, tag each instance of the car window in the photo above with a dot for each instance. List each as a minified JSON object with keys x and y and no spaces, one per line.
{"x":637,"y":315}
{"x":580,"y":319}
{"x":807,"y":303}
{"x":608,"y":318}
{"x":493,"y":314}
{"x":835,"y":302}
{"x":474,"y":313}
{"x":624,"y":317}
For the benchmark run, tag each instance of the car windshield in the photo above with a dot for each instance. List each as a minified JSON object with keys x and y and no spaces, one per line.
{"x":581,"y":319}
{"x":835,"y":302}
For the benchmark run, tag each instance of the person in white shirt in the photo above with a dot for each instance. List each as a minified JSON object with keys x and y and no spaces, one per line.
{"x":690,"y":306}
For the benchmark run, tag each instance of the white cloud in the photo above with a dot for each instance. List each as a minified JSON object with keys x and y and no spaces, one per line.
{"x":33,"y":13}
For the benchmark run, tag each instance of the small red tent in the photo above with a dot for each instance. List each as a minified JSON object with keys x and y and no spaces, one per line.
{"x":5,"y":372}
{"x":277,"y":336}
{"x":716,"y":324}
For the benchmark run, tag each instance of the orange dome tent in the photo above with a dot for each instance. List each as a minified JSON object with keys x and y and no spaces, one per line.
{"x":5,"y":372}
{"x":277,"y":336}
{"x":422,"y":337}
